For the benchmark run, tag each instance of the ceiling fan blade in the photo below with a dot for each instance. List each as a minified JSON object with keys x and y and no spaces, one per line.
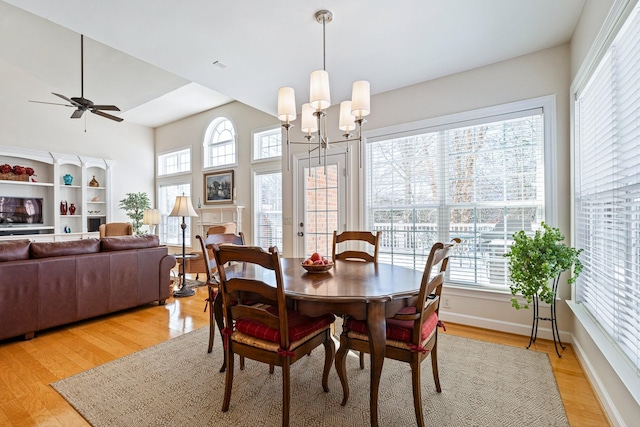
{"x":53,"y":103}
{"x":66,"y":99}
{"x":105,"y":107}
{"x":108,"y":116}
{"x":77,"y":114}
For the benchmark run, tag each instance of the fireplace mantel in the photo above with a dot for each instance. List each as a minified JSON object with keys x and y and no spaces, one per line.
{"x":208,"y":216}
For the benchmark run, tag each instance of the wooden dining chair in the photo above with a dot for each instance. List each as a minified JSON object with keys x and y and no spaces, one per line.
{"x":356,"y":236}
{"x":412,"y":334}
{"x":266,"y":330}
{"x":355,"y":255}
{"x":214,"y":302}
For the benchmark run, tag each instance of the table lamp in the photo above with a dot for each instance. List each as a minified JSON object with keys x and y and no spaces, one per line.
{"x":151,"y":217}
{"x":183,"y":208}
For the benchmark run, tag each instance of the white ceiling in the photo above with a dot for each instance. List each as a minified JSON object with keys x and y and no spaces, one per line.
{"x":142,"y":55}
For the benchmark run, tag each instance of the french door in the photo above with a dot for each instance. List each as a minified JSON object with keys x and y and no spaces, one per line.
{"x":322,"y":203}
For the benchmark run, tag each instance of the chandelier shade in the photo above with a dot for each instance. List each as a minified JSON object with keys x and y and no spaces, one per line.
{"x":319,"y":93}
{"x":361,"y":99}
{"x":347,"y":120}
{"x":308,"y":123}
{"x":286,"y":104}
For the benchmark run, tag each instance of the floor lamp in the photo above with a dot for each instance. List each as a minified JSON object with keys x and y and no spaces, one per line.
{"x":151,"y":217}
{"x":183,"y":208}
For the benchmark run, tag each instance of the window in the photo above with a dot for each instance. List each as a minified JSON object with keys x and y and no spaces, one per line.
{"x":168,"y":187}
{"x":267,"y":144}
{"x":268,"y":209}
{"x":174,"y":162}
{"x":170,"y":230}
{"x":607,"y":191}
{"x":481,"y":180}
{"x":220,"y":144}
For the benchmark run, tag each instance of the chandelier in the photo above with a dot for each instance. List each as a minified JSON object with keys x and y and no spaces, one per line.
{"x":313,"y":122}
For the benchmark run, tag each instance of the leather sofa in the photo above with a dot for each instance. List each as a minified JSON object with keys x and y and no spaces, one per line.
{"x":43,"y":285}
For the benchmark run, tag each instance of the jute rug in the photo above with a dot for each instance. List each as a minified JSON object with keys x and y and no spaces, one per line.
{"x":176,"y":383}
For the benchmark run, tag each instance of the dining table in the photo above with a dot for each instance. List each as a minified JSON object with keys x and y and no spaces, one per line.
{"x":364,"y":290}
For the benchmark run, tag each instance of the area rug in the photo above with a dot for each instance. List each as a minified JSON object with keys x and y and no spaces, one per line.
{"x":191,"y":283}
{"x":177,"y":383}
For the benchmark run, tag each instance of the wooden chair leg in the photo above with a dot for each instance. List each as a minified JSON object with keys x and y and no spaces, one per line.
{"x":361,"y":360}
{"x":228,"y":383}
{"x":417,"y":395}
{"x":341,"y":368}
{"x":434,"y":366}
{"x":286,"y":393}
{"x":211,"y":320}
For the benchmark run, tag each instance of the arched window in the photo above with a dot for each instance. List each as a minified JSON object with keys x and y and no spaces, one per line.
{"x":220,"y":144}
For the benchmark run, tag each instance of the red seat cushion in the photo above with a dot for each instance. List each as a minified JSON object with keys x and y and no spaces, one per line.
{"x":399,"y":330}
{"x":299,"y":326}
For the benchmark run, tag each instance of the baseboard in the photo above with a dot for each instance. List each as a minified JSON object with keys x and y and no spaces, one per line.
{"x":598,"y":387}
{"x":496,"y":325}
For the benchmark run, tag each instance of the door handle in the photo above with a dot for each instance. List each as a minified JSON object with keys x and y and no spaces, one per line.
{"x":300,"y":233}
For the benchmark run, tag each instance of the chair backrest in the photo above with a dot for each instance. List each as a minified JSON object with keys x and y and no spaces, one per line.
{"x":207,"y":249}
{"x":238,"y":284}
{"x":356,"y":236}
{"x":432,"y":280}
{"x":112,"y":229}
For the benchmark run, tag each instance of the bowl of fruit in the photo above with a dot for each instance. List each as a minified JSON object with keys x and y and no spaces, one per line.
{"x":317,"y":264}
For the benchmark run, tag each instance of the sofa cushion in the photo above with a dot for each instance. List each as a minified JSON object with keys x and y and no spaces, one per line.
{"x":122,"y":243}
{"x":14,"y":250}
{"x":72,"y":247}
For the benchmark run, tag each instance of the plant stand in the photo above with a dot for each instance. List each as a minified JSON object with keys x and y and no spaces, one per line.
{"x":552,"y":319}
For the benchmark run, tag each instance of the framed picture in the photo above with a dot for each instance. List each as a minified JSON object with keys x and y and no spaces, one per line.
{"x":218,"y":187}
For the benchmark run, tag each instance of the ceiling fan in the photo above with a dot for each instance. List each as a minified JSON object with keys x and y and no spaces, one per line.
{"x":82,"y":104}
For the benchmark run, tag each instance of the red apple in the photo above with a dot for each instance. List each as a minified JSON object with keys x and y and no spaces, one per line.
{"x":316,"y":256}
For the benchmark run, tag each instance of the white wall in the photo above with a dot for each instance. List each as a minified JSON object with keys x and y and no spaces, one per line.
{"x":591,"y":19}
{"x":190,"y":132}
{"x":48,"y":127}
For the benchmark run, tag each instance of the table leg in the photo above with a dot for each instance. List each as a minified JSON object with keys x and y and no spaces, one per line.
{"x":376,"y":326}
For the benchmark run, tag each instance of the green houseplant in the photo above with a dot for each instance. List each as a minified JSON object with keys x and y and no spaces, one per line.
{"x":134,"y":205}
{"x":535,"y":261}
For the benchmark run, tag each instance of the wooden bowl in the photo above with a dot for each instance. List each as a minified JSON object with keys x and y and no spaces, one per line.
{"x":317,"y":268}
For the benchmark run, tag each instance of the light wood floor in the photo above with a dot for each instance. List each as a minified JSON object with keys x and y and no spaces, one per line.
{"x":28,"y":367}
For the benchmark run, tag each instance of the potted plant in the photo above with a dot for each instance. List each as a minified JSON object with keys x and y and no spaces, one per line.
{"x":535,"y":261}
{"x":134,"y":205}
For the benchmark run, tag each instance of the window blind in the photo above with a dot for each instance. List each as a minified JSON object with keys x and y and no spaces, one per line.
{"x":607,"y":190}
{"x":481,"y":180}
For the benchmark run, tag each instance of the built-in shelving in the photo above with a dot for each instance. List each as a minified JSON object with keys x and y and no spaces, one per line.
{"x":92,"y":204}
